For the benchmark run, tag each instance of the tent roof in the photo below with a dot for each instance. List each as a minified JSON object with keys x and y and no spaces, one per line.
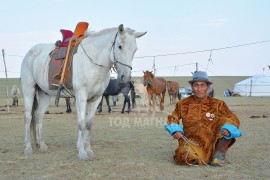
{"x":257,"y":79}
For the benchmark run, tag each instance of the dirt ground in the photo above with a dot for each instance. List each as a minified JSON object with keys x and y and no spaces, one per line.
{"x":130,"y":146}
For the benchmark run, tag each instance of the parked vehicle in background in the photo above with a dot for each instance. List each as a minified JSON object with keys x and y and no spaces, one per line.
{"x":185,"y":91}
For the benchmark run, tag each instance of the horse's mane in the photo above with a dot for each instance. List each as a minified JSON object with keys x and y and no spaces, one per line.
{"x":99,"y":33}
{"x":106,"y":31}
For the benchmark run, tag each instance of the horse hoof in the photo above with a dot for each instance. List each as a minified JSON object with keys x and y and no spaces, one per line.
{"x":122,"y":112}
{"x":28,"y":151}
{"x":91,"y":155}
{"x":83,"y":156}
{"x":43,"y":147}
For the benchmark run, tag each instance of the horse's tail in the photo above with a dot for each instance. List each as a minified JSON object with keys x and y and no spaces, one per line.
{"x":133,"y":94}
{"x":33,"y":121}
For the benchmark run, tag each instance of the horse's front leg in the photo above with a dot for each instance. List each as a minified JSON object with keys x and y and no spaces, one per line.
{"x":149,"y":101}
{"x":91,"y":107}
{"x":81,"y":101}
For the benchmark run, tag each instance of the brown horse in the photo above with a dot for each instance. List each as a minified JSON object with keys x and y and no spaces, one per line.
{"x":173,"y":90}
{"x":154,"y":86}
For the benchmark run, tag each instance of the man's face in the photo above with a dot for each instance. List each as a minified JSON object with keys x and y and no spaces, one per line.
{"x":200,"y":89}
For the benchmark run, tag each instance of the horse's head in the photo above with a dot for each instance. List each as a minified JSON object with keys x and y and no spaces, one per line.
{"x":147,"y":78}
{"x":169,"y":84}
{"x":123,"y":49}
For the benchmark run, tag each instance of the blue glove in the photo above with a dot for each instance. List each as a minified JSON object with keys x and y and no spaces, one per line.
{"x":234,"y":131}
{"x":173,"y":128}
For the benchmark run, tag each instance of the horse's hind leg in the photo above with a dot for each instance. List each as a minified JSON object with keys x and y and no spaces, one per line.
{"x":44,"y":102}
{"x":28,"y":104}
{"x":68,"y":105}
{"x":108,"y":103}
{"x":162,"y":101}
{"x":100,"y":105}
{"x":124,"y":105}
{"x":128,"y":101}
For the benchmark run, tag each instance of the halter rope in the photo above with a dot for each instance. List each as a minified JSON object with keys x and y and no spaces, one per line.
{"x":189,"y":143}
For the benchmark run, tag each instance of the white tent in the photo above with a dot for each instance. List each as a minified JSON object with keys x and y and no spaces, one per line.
{"x":258,"y":85}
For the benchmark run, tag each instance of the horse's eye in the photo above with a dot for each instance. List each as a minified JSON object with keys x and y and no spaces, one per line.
{"x":120,"y":47}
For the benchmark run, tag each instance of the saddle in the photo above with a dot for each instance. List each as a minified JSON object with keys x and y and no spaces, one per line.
{"x":60,"y":65}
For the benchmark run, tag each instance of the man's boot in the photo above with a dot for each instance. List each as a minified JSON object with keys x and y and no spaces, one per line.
{"x":221,"y":149}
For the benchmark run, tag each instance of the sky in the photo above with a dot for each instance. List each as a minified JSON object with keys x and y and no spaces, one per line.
{"x":180,"y":33}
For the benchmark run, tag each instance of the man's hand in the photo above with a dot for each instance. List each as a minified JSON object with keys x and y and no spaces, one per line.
{"x":177,"y":135}
{"x":225,"y":132}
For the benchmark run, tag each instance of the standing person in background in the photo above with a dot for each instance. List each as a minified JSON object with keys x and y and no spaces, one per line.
{"x":209,"y":127}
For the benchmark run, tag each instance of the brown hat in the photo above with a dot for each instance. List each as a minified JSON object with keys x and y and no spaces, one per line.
{"x":200,"y":76}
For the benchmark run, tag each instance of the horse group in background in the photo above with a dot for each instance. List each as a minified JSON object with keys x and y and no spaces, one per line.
{"x":15,"y":93}
{"x":156,"y":87}
{"x":114,"y":88}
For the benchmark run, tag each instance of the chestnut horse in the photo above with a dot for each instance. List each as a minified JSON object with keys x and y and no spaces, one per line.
{"x":154,"y":86}
{"x":173,"y":90}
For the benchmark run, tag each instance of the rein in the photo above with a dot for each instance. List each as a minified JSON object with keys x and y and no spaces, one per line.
{"x":92,"y":59}
{"x":115,"y":60}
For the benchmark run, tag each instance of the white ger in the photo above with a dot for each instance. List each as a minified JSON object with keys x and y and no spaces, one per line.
{"x":96,"y":54}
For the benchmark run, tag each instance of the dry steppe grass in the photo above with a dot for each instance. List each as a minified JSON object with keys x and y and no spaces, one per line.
{"x":130,"y":146}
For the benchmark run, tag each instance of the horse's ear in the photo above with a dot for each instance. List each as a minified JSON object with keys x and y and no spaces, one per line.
{"x":143,"y":72}
{"x":121,"y":28}
{"x":139,"y":34}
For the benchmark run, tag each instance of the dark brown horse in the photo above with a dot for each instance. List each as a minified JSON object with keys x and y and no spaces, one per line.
{"x":173,"y":90}
{"x":154,"y":86}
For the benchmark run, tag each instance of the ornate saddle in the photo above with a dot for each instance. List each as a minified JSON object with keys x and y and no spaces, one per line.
{"x":60,"y":66}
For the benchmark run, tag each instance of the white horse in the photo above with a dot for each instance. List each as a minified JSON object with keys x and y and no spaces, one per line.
{"x":95,"y":56}
{"x":15,"y":93}
{"x":141,"y":92}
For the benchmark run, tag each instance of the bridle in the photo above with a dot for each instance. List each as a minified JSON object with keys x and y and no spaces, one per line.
{"x":114,"y":58}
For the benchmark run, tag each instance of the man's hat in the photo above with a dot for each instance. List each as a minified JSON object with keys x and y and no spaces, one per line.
{"x":200,"y":76}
